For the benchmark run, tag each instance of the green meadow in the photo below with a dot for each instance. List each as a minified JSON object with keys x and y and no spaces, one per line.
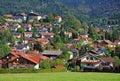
{"x":62,"y":76}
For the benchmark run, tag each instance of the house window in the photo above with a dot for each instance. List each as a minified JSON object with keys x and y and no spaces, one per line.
{"x":89,"y":58}
{"x":105,"y":64}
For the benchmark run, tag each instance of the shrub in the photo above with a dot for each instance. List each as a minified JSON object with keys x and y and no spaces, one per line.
{"x":77,"y":68}
{"x":52,"y":70}
{"x":45,"y":64}
{"x":22,"y":70}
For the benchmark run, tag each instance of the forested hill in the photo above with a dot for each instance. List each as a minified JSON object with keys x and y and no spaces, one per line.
{"x":81,"y":8}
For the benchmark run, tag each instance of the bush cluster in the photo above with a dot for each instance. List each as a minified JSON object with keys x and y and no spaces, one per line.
{"x":21,"y":70}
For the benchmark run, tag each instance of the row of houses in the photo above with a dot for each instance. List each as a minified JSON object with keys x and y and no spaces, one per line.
{"x":20,"y":59}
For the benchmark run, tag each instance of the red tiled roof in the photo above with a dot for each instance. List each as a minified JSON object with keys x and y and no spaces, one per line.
{"x":107,"y":59}
{"x":40,"y":40}
{"x":44,"y":57}
{"x":13,"y":48}
{"x":37,"y":25}
{"x":59,"y":67}
{"x":50,"y":34}
{"x":27,"y":26}
{"x":33,"y":58}
{"x":28,"y":32}
{"x":57,"y":17}
{"x":13,"y":58}
{"x":77,"y":38}
{"x":29,"y":39}
{"x":9,"y":15}
{"x":0,"y":61}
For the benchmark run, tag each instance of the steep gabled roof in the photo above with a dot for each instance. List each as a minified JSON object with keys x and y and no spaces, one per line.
{"x":107,"y":59}
{"x":33,"y":58}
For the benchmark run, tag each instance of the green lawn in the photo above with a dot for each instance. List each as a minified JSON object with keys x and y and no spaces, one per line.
{"x":66,"y":76}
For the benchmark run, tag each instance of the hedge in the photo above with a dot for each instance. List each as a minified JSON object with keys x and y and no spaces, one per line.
{"x":21,"y":70}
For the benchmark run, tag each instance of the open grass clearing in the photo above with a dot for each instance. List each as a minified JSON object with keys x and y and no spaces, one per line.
{"x":62,"y":76}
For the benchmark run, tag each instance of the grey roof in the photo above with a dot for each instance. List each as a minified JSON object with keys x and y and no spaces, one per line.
{"x":52,"y":52}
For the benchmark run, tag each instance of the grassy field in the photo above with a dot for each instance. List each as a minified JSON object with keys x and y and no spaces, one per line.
{"x":66,"y":76}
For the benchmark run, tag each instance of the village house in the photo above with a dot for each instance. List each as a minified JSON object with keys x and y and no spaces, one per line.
{"x":27,"y":27}
{"x":19,"y":59}
{"x":34,"y":15}
{"x":58,"y":18}
{"x":90,"y":62}
{"x":28,"y":34}
{"x":104,"y":43}
{"x":14,"y":27}
{"x":3,"y":27}
{"x":85,"y":39}
{"x":21,"y":16}
{"x":49,"y":27}
{"x":42,"y":41}
{"x":17,"y":35}
{"x":8,"y":16}
{"x":68,"y":34}
{"x":28,"y":40}
{"x":46,"y":35}
{"x":52,"y":54}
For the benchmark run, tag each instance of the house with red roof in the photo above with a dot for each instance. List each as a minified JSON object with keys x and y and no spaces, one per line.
{"x":58,"y":18}
{"x":28,"y":40}
{"x":28,"y":34}
{"x":22,"y":60}
{"x":46,"y":35}
{"x":42,"y":41}
{"x":27,"y":27}
{"x":89,"y":61}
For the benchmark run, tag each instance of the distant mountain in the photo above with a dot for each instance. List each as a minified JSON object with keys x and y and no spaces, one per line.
{"x":83,"y":9}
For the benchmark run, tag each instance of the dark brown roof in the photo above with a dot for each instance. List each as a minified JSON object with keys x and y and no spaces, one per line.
{"x":107,"y":59}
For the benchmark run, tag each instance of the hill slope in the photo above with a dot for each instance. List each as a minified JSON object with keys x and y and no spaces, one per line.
{"x":85,"y":8}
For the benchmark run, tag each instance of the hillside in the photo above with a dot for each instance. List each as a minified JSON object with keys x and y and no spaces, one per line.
{"x":83,"y":9}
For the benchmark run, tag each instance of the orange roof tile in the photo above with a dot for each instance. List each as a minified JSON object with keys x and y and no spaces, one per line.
{"x":44,"y":57}
{"x":28,"y":32}
{"x":0,"y":61}
{"x":29,"y":39}
{"x":37,"y":25}
{"x":33,"y":58}
{"x":40,"y":40}
{"x":59,"y":67}
{"x":57,"y":17}
{"x":27,"y":26}
{"x":9,"y":15}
